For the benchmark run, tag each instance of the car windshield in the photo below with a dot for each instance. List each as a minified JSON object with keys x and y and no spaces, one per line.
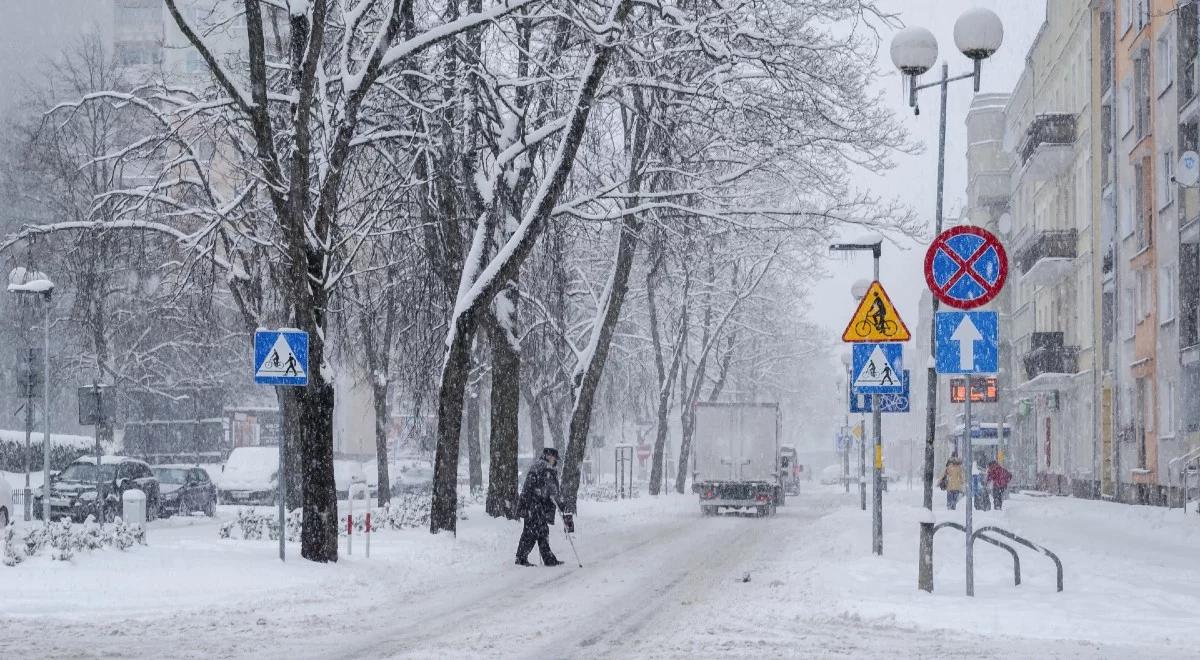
{"x":171,"y":475}
{"x":88,"y":472}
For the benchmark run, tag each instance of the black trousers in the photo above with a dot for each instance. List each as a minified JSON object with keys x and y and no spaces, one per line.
{"x":535,"y":531}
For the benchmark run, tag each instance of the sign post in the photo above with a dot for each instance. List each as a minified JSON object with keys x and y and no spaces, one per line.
{"x":281,"y":359}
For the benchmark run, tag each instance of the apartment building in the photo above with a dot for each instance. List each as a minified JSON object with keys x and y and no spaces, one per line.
{"x":1047,"y":134}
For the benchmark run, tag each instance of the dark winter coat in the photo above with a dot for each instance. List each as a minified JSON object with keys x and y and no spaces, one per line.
{"x":540,"y":495}
{"x":998,"y":476}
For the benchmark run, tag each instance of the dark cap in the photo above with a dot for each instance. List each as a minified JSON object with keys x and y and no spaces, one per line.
{"x":549,"y":451}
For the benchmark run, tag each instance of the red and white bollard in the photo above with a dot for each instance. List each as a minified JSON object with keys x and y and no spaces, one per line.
{"x":368,"y":532}
{"x":350,"y":534}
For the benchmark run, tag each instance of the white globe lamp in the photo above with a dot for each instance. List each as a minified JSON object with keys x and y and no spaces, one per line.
{"x":914,"y":50}
{"x":978,"y":33}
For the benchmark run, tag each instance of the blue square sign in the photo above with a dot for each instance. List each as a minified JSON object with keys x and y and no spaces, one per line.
{"x":878,"y":368}
{"x":967,"y":342}
{"x":888,"y":403}
{"x":281,"y":357}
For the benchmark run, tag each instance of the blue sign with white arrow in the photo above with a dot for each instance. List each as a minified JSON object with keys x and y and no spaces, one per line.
{"x":281,"y":357}
{"x":967,"y":342}
{"x":877,"y":368}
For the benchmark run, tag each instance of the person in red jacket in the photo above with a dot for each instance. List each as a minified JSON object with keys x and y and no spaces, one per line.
{"x":999,"y":478}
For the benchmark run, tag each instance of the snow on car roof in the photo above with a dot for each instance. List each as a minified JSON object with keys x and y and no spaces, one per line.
{"x":109,"y":460}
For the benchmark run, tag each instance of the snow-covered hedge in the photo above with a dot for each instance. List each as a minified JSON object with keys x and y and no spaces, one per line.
{"x":63,"y":539}
{"x":406,"y":511}
{"x":602,"y":493}
{"x":63,"y":450}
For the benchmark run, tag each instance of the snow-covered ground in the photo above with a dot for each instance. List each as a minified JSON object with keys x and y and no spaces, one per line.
{"x":658,"y":581}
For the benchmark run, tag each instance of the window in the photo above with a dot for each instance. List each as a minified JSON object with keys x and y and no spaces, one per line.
{"x":1166,"y":404}
{"x":1143,"y":13}
{"x":1165,"y":62}
{"x":194,"y":62}
{"x":1141,"y":91}
{"x":1166,"y":184}
{"x":1143,"y":295}
{"x":1126,"y":313}
{"x":1143,"y":209}
{"x":1125,"y":109}
{"x":1144,"y":413}
{"x":1166,"y":293}
{"x":1106,"y":144}
{"x":1126,"y":15}
{"x":1127,"y":209}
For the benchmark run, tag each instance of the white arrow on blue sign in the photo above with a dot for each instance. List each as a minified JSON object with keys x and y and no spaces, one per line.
{"x":967,"y":342}
{"x":281,"y":357}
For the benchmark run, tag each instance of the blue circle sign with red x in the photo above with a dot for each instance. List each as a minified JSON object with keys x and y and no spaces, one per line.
{"x":965,"y":267}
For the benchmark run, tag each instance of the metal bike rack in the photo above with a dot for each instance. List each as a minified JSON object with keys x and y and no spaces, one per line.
{"x":1028,"y":544}
{"x":999,"y":544}
{"x":979,"y":534}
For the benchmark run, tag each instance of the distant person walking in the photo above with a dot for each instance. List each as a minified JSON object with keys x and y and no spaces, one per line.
{"x":999,"y":477}
{"x":952,"y":481}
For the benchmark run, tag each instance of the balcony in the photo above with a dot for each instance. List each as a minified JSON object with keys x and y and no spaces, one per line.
{"x":1049,"y":146}
{"x":1047,"y":256}
{"x":1048,"y":362}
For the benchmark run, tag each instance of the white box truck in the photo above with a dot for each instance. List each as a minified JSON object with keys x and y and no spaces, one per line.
{"x":736,"y":452}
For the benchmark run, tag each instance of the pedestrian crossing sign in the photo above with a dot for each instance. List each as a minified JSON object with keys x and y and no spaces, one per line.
{"x":876,"y":319}
{"x":878,"y":369}
{"x":281,"y":357}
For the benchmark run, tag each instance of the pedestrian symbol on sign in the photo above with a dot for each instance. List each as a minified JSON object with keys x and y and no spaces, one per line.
{"x":876,"y":368}
{"x":281,"y":357}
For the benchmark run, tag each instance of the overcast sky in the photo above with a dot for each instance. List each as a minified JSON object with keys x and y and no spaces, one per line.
{"x":913,"y":181}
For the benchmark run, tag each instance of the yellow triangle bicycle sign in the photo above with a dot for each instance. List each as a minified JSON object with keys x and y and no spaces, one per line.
{"x":876,"y":319}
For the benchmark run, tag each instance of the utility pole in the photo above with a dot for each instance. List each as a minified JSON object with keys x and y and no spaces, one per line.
{"x":876,"y":423}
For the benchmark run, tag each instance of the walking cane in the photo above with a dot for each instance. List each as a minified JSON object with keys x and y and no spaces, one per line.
{"x":571,"y":540}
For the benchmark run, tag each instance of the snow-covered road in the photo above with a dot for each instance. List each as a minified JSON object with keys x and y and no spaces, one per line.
{"x":659,"y":581}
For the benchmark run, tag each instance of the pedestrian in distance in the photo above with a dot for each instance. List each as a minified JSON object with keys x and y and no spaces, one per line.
{"x":979,"y":488}
{"x":539,"y":499}
{"x":952,"y":481}
{"x":999,"y":478}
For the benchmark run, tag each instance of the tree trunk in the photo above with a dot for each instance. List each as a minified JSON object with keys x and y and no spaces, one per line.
{"x":379,"y":390}
{"x":443,"y":512}
{"x":593,"y":369}
{"x":474,"y":460}
{"x":291,"y":433}
{"x":537,"y":424}
{"x":319,"y":535}
{"x":505,"y":427}
{"x":661,"y":429}
{"x":553,"y":414}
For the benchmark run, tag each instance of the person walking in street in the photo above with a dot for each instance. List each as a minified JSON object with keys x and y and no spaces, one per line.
{"x":539,"y":498}
{"x":999,"y":478}
{"x":979,"y":488}
{"x":952,"y":481}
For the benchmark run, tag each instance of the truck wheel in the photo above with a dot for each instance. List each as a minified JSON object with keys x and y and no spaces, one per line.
{"x":762,"y":511}
{"x":708,"y":510}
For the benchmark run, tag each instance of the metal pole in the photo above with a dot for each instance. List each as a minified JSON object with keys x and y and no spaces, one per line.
{"x":876,"y":423}
{"x":282,"y":495}
{"x":877,"y":502}
{"x":969,"y":464}
{"x":99,"y":419}
{"x":46,"y":419}
{"x":925,"y":557}
{"x":862,"y":462}
{"x":28,"y":431}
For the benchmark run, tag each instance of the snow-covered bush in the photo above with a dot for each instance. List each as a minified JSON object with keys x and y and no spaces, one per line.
{"x":64,"y":539}
{"x":603,"y":493}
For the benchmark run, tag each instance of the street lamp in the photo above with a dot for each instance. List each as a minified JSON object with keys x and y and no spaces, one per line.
{"x":35,"y":284}
{"x":978,"y":34}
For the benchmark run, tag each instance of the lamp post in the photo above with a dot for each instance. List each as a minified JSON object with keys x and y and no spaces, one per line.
{"x":36,"y":284}
{"x":874,"y":245}
{"x":846,"y":435}
{"x":978,"y":34}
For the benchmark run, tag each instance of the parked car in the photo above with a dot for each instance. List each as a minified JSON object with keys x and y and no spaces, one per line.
{"x":249,"y":476}
{"x":6,"y":503}
{"x":85,"y":488}
{"x":412,"y":476}
{"x":185,"y":489}
{"x":348,"y":476}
